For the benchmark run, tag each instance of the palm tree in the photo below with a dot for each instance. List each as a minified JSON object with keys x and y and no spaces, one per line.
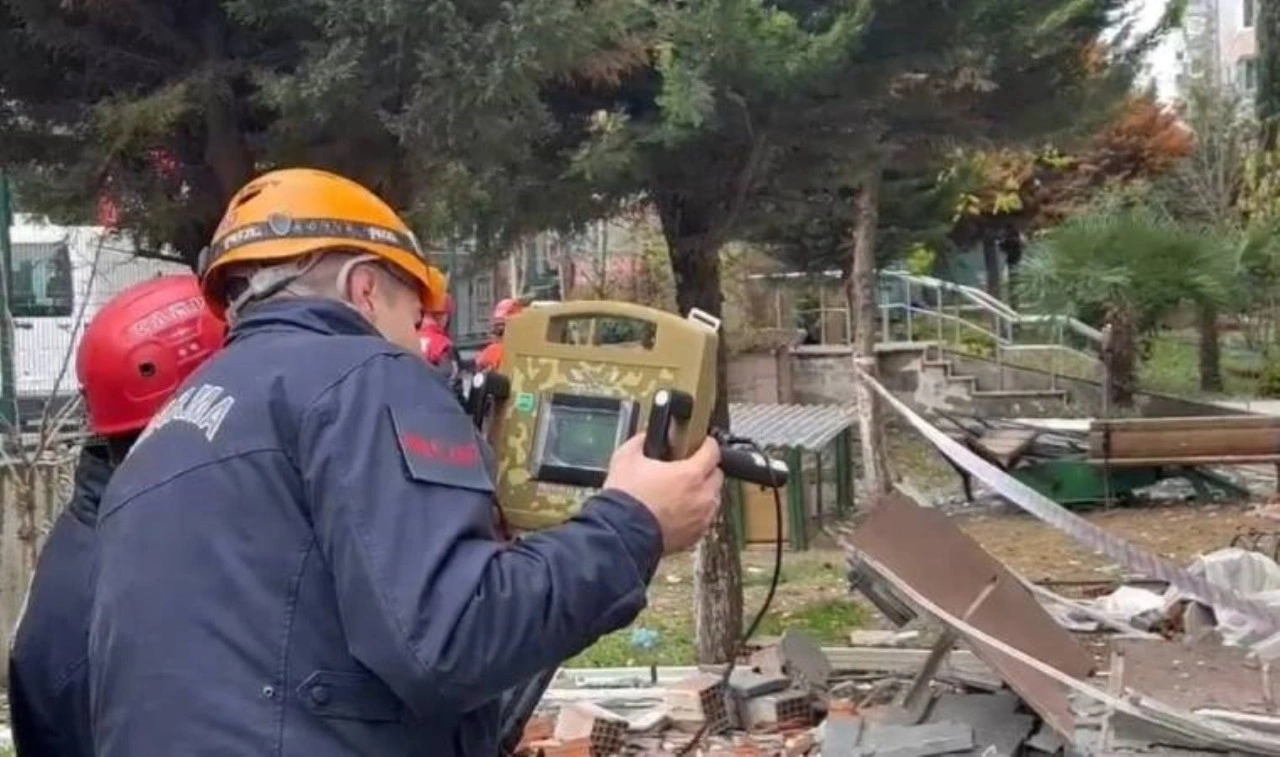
{"x":1124,"y":264}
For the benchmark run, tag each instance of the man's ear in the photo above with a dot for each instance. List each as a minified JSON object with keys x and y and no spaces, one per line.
{"x":360,"y":286}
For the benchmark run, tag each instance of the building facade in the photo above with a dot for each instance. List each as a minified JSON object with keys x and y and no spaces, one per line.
{"x":1219,"y":34}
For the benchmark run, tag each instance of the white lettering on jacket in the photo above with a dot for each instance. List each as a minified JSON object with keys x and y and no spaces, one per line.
{"x":204,"y":407}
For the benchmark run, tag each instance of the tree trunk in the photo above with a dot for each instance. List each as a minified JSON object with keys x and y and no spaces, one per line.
{"x":1210,"y":350}
{"x":991,"y":262}
{"x":1011,"y":246}
{"x":226,"y":153}
{"x":717,"y":573}
{"x":1121,"y":357}
{"x":1267,"y":95}
{"x":862,"y":281}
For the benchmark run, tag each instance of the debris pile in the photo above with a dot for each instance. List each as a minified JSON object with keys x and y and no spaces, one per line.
{"x":1007,"y":668}
{"x":790,"y":697}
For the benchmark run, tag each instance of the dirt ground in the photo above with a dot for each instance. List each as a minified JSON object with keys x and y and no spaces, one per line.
{"x":812,"y":592}
{"x":1177,"y":532}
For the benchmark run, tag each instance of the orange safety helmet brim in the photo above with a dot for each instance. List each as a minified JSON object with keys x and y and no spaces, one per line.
{"x":295,"y":212}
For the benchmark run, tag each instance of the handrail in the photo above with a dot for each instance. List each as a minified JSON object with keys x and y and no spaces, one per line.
{"x":996,"y":307}
{"x":1004,"y":320}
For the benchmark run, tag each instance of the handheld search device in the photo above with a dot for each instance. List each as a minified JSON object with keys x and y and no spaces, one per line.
{"x":575,"y":381}
{"x":579,"y":378}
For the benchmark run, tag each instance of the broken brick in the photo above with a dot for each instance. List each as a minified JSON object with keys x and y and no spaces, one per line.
{"x":557,"y":748}
{"x":539,"y":728}
{"x":784,"y":710}
{"x":697,"y":700}
{"x":604,"y":731}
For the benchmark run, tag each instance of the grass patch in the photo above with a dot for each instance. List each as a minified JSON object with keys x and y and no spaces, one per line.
{"x":1174,"y":367}
{"x":811,"y":596}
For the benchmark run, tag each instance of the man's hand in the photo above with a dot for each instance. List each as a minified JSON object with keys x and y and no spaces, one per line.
{"x":683,"y":496}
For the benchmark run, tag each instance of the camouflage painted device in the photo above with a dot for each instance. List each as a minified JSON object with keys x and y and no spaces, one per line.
{"x":582,"y":377}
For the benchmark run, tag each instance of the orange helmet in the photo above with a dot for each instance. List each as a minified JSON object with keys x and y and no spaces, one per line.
{"x":293,"y":212}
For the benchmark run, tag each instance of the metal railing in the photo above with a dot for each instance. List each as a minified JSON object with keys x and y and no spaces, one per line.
{"x":931,"y":309}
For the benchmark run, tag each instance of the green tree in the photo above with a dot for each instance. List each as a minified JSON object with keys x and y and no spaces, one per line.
{"x":1126,"y":265}
{"x":751,"y":105}
{"x":165,"y":108}
{"x":1204,"y":188}
{"x":142,"y":102}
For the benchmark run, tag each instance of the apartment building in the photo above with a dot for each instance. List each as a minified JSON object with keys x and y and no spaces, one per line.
{"x":1218,"y":31}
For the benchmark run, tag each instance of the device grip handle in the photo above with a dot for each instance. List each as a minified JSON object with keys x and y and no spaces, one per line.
{"x":753,"y":467}
{"x":670,"y":406}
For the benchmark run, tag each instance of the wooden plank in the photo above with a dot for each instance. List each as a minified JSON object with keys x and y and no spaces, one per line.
{"x":1133,"y":462}
{"x":927,"y":551}
{"x":1187,"y":424}
{"x":1005,"y":446}
{"x":1186,"y":439}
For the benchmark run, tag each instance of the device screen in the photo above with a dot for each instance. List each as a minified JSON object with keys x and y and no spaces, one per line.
{"x":577,"y":435}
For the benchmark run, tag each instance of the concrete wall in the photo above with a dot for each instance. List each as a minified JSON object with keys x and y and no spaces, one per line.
{"x":760,"y":377}
{"x":1083,"y":396}
{"x":30,"y":499}
{"x":824,"y":374}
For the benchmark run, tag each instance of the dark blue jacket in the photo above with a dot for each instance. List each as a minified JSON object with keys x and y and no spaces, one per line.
{"x":298,"y":558}
{"x":48,"y":678}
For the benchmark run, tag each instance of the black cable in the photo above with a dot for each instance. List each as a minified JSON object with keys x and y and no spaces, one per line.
{"x":726,"y":440}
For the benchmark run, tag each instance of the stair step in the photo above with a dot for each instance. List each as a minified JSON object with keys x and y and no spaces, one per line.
{"x":972,"y":381}
{"x":882,"y":347}
{"x":1022,"y":393}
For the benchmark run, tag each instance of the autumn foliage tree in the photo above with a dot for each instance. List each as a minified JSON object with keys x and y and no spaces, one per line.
{"x":1020,"y":191}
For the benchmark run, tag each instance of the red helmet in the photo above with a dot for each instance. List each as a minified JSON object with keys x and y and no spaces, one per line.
{"x":140,"y":347}
{"x":435,"y":343}
{"x":506,"y":309}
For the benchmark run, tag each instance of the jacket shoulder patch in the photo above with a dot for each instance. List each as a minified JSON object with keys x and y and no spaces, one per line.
{"x":440,"y":448}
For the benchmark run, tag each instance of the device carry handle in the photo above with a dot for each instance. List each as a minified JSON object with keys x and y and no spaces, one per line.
{"x":753,"y":467}
{"x":670,"y":407}
{"x":546,"y":325}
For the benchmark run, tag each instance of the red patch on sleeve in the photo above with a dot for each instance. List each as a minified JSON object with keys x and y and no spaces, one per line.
{"x":461,"y":455}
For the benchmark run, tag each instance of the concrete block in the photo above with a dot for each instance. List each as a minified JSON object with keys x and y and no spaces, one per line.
{"x":915,"y":740}
{"x":803,"y":660}
{"x":649,"y":721}
{"x":842,"y":730}
{"x":874,"y":638}
{"x":994,"y":719}
{"x":747,"y":683}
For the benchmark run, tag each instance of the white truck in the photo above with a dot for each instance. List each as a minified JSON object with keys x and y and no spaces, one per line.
{"x":61,"y":277}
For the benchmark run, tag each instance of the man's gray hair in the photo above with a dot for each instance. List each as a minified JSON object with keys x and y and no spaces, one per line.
{"x":324,"y":274}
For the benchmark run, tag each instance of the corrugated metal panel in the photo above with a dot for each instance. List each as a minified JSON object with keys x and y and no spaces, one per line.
{"x":810,"y":427}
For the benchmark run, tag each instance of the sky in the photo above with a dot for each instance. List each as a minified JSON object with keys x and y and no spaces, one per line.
{"x":1162,"y":62}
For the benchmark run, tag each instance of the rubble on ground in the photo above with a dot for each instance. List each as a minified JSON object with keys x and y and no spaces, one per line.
{"x":1012,"y":670}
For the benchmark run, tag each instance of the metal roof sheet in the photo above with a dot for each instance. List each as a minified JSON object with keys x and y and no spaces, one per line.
{"x":810,"y":427}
